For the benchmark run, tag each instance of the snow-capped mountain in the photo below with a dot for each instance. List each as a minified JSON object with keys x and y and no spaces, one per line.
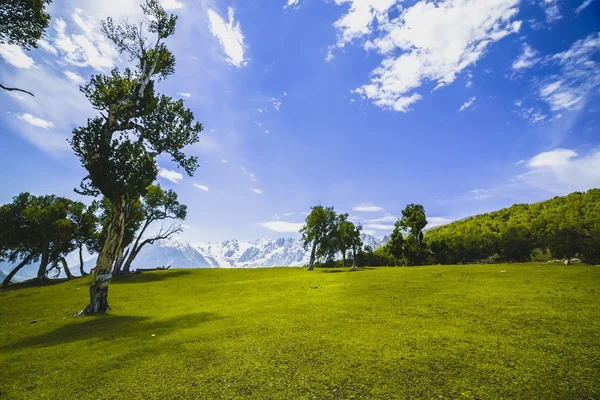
{"x":178,"y":253}
{"x":264,"y":252}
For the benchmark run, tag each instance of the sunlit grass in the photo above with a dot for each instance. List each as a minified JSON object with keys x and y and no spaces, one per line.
{"x":530,"y":332}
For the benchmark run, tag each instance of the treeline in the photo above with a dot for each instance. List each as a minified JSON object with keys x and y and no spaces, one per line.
{"x":329,"y":235}
{"x":45,"y":229}
{"x":563,"y":227}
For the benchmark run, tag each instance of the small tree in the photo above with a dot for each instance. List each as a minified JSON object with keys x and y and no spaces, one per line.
{"x":413,"y":221}
{"x":318,"y":230}
{"x":356,"y":243}
{"x":157,"y":205}
{"x":396,"y":243}
{"x":86,"y":222}
{"x":23,"y":23}
{"x":119,"y":148}
{"x":344,"y":235}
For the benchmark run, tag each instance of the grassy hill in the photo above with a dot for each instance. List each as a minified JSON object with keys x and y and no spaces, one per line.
{"x":498,"y":331}
{"x":567,"y":226}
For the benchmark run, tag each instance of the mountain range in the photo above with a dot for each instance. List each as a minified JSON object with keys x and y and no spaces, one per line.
{"x":233,"y":253}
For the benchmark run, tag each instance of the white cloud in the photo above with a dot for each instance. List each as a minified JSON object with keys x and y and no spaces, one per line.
{"x":14,"y":55}
{"x":365,"y":207}
{"x":277,"y":101}
{"x":75,"y":78}
{"x":172,"y":176}
{"x":579,"y":75}
{"x":583,"y":5}
{"x":184,"y":94}
{"x":288,"y":214}
{"x":552,"y":158}
{"x":47,"y":47}
{"x":291,"y":3}
{"x":526,"y":60}
{"x":257,"y":191}
{"x":380,"y":227}
{"x":35,"y":121}
{"x":230,"y":36}
{"x":83,"y":44}
{"x":385,"y":218}
{"x":552,"y":10}
{"x":171,"y":4}
{"x":282,"y":226}
{"x":369,"y":232}
{"x":277,"y":217}
{"x":532,"y":114}
{"x":429,"y":43}
{"x":432,"y":222}
{"x":358,"y":21}
{"x":224,"y":161}
{"x":201,"y":187}
{"x":563,"y":171}
{"x":467,"y":103}
{"x":480,"y":194}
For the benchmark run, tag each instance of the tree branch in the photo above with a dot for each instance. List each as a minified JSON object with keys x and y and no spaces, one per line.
{"x":12,"y":89}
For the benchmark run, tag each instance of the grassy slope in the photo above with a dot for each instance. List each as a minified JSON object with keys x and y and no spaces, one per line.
{"x":428,"y":332}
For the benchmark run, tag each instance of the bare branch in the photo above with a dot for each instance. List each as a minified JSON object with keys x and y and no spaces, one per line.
{"x":12,"y":89}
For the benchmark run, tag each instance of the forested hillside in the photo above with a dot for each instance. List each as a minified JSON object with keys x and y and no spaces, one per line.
{"x":566,"y":227}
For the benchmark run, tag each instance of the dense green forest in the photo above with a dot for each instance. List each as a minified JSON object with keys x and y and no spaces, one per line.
{"x":564,"y":227}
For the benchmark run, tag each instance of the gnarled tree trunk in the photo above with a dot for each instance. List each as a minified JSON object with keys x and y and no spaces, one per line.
{"x":44,"y":262}
{"x":81,"y":270}
{"x":65,"y":267}
{"x":102,"y":273}
{"x":16,"y":269}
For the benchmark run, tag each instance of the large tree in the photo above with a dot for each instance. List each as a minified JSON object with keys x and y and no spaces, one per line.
{"x":318,"y":231}
{"x":157,"y":205}
{"x":395,"y":245}
{"x":38,"y":228}
{"x":119,"y":147}
{"x":22,"y":23}
{"x":356,"y":243}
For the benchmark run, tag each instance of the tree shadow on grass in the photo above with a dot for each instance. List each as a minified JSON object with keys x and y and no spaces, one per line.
{"x":32,"y":283}
{"x":107,"y":327}
{"x":152,"y":276}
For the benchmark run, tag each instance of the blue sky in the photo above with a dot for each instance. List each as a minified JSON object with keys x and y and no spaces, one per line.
{"x":464,"y":106}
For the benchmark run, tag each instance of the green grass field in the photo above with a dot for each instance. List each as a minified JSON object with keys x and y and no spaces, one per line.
{"x":472,"y":332}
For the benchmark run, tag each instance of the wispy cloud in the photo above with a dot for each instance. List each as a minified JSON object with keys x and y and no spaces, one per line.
{"x":385,"y":218}
{"x":282,"y":226}
{"x":15,"y":56}
{"x":169,"y":175}
{"x":365,"y":207}
{"x":583,"y":6}
{"x":467,"y":104}
{"x":291,"y":3}
{"x":75,"y":78}
{"x":230,"y":36}
{"x":527,"y":59}
{"x":201,"y":187}
{"x":380,"y":227}
{"x":257,"y":191}
{"x":562,"y":171}
{"x":552,"y":10}
{"x":184,"y":94}
{"x":35,"y":121}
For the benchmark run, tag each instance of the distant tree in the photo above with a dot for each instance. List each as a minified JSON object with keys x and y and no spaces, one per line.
{"x":413,"y":221}
{"x":318,"y":230}
{"x":565,"y":242}
{"x":86,"y":222}
{"x":356,"y":243}
{"x":344,"y":235}
{"x":38,"y":227}
{"x":157,"y":205}
{"x":23,"y":23}
{"x":119,"y":148}
{"x":396,"y":242}
{"x":516,"y":245}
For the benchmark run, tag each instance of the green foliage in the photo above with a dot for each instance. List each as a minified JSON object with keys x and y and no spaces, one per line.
{"x":396,"y":243}
{"x":567,"y":226}
{"x":47,"y":227}
{"x":413,"y":221}
{"x":119,"y":147}
{"x":447,"y":332}
{"x":318,"y":231}
{"x":23,"y":22}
